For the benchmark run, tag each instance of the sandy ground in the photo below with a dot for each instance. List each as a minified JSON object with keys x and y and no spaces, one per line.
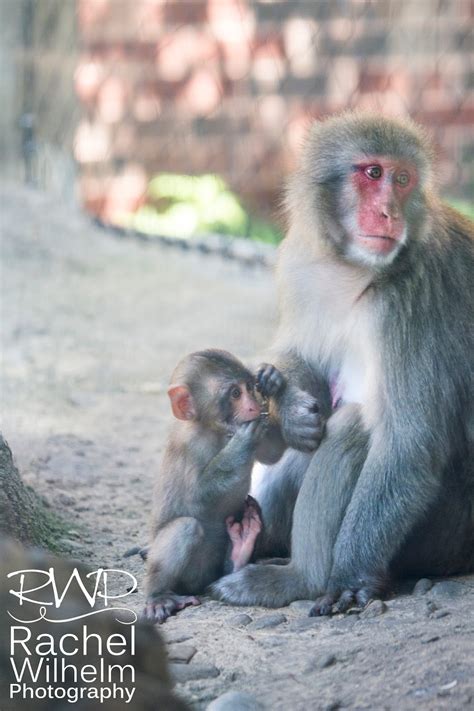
{"x":92,"y":327}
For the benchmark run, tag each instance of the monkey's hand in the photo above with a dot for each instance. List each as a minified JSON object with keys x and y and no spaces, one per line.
{"x":248,"y":434}
{"x":270,"y":382}
{"x":301,"y":424}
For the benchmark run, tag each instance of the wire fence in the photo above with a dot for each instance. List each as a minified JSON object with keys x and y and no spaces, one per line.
{"x":100,"y":95}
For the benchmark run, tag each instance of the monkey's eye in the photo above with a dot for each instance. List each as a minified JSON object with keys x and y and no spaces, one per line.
{"x":235,"y":393}
{"x":403,"y":178}
{"x":374,"y":172}
{"x":250,"y":387}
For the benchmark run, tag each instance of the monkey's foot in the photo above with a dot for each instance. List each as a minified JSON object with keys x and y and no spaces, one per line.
{"x":161,"y":606}
{"x":244,"y":534}
{"x":335,"y":603}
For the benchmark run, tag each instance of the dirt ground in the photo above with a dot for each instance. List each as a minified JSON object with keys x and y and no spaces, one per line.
{"x":92,"y":327}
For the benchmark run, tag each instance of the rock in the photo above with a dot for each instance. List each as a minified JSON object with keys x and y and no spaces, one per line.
{"x":326,"y":661}
{"x":449,"y":588}
{"x":344,"y":623}
{"x":175,"y":639}
{"x":422,"y":586}
{"x":272,"y":641}
{"x":180,"y":673}
{"x":302,"y":605}
{"x":323,"y":662}
{"x":66,"y":500}
{"x":235,"y":701}
{"x":304,"y":623}
{"x":430,"y":638}
{"x":373,"y":609}
{"x":67,"y":544}
{"x":239,"y":620}
{"x":431,"y":607}
{"x":182,"y":653}
{"x":441,"y":613}
{"x":267,"y":621}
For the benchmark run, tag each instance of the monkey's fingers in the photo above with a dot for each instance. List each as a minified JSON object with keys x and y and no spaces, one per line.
{"x":187,"y":600}
{"x":305,"y":439}
{"x":269,"y":380}
{"x":258,"y":428}
{"x":346,"y":600}
{"x":366,"y":595}
{"x":323,"y":606}
{"x":234,"y":531}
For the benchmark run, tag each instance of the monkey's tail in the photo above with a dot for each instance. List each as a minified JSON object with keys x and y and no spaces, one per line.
{"x":267,"y":585}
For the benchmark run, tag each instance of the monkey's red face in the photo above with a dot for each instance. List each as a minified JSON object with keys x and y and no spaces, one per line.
{"x":382,"y":186}
{"x":244,"y":405}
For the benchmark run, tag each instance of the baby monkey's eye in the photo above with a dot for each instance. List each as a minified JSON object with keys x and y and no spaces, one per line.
{"x":235,"y":393}
{"x":374,"y":172}
{"x":250,"y":387}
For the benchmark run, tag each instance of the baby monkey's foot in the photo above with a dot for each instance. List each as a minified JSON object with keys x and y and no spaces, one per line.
{"x":244,"y":534}
{"x":160,"y":606}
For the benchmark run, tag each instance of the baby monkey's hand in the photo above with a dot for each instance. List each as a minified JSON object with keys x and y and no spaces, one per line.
{"x":270,"y":382}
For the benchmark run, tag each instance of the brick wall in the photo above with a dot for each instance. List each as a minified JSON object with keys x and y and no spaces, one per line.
{"x":229,"y":86}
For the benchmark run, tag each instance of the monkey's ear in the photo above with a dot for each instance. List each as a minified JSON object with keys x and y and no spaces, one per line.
{"x":182,"y":402}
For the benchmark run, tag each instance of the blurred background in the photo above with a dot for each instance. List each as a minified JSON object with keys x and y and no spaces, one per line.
{"x":116,"y":103}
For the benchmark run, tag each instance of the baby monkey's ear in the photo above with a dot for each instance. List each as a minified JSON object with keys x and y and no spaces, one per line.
{"x":182,"y":402}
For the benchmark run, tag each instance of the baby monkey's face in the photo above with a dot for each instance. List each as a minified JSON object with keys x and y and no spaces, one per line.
{"x":242,"y":403}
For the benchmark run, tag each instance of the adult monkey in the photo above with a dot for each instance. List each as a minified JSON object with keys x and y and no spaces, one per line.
{"x":376,"y":282}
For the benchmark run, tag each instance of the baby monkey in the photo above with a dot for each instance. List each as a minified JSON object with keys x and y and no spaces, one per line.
{"x":200,"y":498}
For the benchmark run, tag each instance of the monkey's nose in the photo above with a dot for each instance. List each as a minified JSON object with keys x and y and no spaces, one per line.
{"x":390,"y":213}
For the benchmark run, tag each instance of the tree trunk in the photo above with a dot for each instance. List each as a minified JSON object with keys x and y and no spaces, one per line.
{"x":22,"y":514}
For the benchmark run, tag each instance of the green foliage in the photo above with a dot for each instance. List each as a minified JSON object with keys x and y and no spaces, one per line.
{"x":464,"y":207}
{"x":185,"y":206}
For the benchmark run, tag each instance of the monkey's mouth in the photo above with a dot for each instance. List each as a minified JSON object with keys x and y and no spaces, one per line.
{"x":381,"y":244}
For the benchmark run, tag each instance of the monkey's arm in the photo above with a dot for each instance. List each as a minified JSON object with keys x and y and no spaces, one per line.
{"x":272,"y":445}
{"x":225,"y":469}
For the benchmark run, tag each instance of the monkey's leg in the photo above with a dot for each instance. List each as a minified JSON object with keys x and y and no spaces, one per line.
{"x":276,"y":489}
{"x":324,"y":496}
{"x":174,"y":563}
{"x":243,"y":534}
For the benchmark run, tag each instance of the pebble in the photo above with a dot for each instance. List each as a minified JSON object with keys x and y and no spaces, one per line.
{"x":344,"y":623}
{"x":235,"y":701}
{"x":182,"y":653}
{"x":177,"y":638}
{"x":449,"y":588}
{"x":181,"y":673}
{"x":272,"y":642}
{"x":239,"y":620}
{"x":323,"y":662}
{"x":304,"y":623}
{"x":422,"y":586}
{"x":373,"y":609}
{"x":302,"y":605}
{"x":432,"y":638}
{"x":267,"y":621}
{"x":66,"y":500}
{"x":441,"y":613}
{"x":71,"y":545}
{"x":431,"y":607}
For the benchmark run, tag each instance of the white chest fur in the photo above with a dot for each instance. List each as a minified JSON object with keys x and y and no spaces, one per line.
{"x":326,"y":317}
